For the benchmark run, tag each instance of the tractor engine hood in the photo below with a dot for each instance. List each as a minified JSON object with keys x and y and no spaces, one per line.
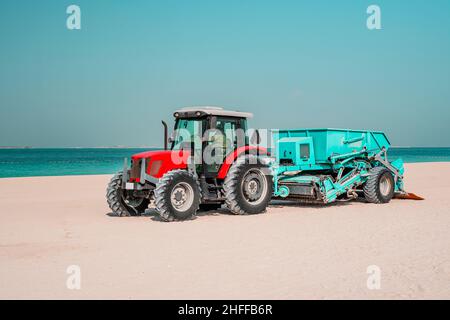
{"x":148,"y":154}
{"x":159,"y":162}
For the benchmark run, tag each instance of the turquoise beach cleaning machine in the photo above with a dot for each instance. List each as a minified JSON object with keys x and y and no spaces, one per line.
{"x":325,"y":165}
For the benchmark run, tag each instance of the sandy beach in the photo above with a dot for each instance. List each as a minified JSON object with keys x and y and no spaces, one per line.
{"x":291,"y":252}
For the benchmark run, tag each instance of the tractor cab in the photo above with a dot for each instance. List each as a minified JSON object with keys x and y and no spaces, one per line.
{"x":211,"y":133}
{"x":206,"y":161}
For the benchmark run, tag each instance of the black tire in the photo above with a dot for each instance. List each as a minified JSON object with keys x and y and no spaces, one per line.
{"x":380,"y":186}
{"x":237,"y":196}
{"x":177,"y":182}
{"x":115,"y":197}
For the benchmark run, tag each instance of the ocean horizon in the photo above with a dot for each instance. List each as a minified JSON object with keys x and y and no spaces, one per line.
{"x":34,"y":162}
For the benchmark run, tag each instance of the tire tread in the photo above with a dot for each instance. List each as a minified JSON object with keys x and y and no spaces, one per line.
{"x":161,"y":190}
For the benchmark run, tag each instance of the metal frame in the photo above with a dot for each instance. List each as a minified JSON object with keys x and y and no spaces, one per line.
{"x":378,"y":157}
{"x":144,"y":177}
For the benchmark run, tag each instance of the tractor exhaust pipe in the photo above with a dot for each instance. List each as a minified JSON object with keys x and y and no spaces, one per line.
{"x":166,"y":134}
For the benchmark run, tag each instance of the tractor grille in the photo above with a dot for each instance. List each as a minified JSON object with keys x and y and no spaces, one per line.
{"x":135,"y":169}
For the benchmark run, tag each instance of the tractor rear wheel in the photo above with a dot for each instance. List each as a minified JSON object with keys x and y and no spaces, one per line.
{"x":177,"y":195}
{"x":122,"y":204}
{"x":380,"y":186}
{"x":248,"y":186}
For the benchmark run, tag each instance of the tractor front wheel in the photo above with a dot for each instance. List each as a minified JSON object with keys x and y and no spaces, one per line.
{"x":177,"y":195}
{"x":121,"y":203}
{"x":248,"y":186}
{"x":380,"y":186}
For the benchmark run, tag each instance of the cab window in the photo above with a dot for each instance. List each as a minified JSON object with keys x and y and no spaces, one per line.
{"x":185,"y":132}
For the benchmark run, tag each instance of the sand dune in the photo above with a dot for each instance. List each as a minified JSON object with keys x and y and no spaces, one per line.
{"x":291,"y":252}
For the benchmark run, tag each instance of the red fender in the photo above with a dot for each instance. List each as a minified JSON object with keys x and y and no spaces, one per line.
{"x":229,"y":160}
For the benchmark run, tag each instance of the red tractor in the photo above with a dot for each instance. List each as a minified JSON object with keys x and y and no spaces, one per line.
{"x":210,"y":162}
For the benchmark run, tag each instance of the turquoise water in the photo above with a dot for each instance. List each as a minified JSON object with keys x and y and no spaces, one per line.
{"x":58,"y":162}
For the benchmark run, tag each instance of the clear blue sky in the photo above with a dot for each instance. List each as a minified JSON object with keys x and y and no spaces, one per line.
{"x":292,"y":63}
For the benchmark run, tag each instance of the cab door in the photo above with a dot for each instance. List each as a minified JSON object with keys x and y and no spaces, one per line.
{"x":221,"y":140}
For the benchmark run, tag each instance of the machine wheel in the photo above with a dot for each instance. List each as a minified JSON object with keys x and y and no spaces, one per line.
{"x":380,"y":186}
{"x":248,"y":186}
{"x":121,"y":204}
{"x":177,"y":195}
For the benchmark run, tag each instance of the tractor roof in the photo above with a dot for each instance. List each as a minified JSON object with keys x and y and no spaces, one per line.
{"x":214,"y":111}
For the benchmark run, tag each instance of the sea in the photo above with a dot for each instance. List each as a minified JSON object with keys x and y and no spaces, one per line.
{"x":33,"y":162}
